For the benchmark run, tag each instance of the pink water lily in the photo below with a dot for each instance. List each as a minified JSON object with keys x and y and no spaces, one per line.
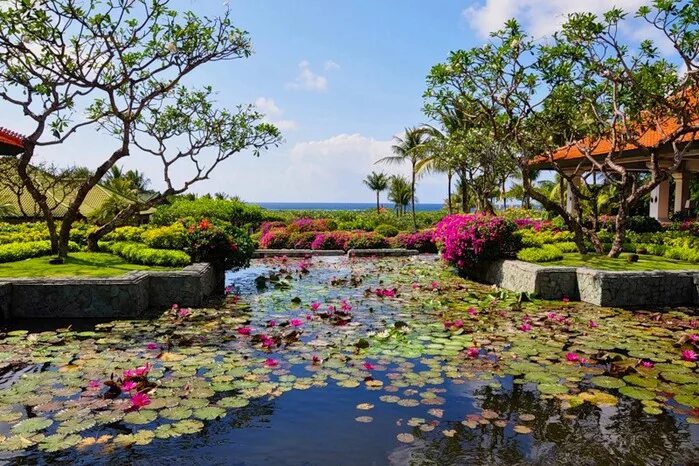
{"x":473,"y":352}
{"x":472,"y":311}
{"x":368,"y":366}
{"x":572,"y":357}
{"x":434,"y":285}
{"x":152,"y":346}
{"x":525,"y":327}
{"x":296,"y":322}
{"x":593,"y":324}
{"x":175,"y":307}
{"x":693,"y":337}
{"x":694,"y":323}
{"x":139,"y":400}
{"x":271,"y":323}
{"x":228,"y":290}
{"x":415,"y":286}
{"x":184,"y":312}
{"x":458,"y":323}
{"x":647,"y":364}
{"x":128,"y":385}
{"x":316,"y":359}
{"x":138,"y":372}
{"x":244,"y":331}
{"x":331,"y":309}
{"x":565,"y":299}
{"x":95,"y":383}
{"x":271,"y":362}
{"x":689,"y":355}
{"x":267,"y":342}
{"x":345,"y":306}
{"x":551,"y":315}
{"x":315,"y":306}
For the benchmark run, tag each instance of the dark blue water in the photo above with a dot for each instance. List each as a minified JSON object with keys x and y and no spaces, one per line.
{"x":338,"y":206}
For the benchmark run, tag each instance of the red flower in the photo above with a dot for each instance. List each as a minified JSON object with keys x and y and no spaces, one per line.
{"x":204,"y":224}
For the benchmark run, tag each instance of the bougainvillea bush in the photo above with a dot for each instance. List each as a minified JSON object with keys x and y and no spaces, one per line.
{"x":467,"y":241}
{"x":331,"y":240}
{"x":311,"y":224}
{"x":422,"y":241}
{"x":229,"y":246}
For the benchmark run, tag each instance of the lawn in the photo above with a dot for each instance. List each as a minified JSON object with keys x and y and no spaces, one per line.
{"x":78,"y":264}
{"x":645,"y":263}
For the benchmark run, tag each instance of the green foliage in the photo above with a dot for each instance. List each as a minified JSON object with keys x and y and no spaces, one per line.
{"x":18,"y":251}
{"x":79,"y":232}
{"x":567,"y":246}
{"x":231,"y":211}
{"x":229,"y":247}
{"x":127,"y":233}
{"x":166,"y":237}
{"x":21,"y":232}
{"x":371,"y":240}
{"x":139,"y":253}
{"x":386,"y":230}
{"x":545,"y":253}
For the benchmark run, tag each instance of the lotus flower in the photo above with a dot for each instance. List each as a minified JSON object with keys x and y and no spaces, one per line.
{"x":139,"y":400}
{"x":175,"y":307}
{"x":267,"y":342}
{"x":647,"y":364}
{"x":182,"y":313}
{"x":473,"y":352}
{"x":689,"y":355}
{"x":296,"y":322}
{"x":593,"y":324}
{"x":315,"y":306}
{"x":152,"y":346}
{"x":458,"y":323}
{"x":244,"y":331}
{"x":271,"y":362}
{"x":572,"y":357}
{"x":551,"y":315}
{"x":472,"y":311}
{"x":128,"y":385}
{"x":368,"y":366}
{"x":525,"y":327}
{"x":693,"y":337}
{"x":138,"y":372}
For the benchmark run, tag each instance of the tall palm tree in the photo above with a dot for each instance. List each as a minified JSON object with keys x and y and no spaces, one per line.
{"x":408,"y":148}
{"x":125,"y":182}
{"x":377,"y":182}
{"x":400,"y":193}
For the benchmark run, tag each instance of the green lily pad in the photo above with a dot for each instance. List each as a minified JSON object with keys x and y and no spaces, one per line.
{"x":209,"y":413}
{"x":607,"y":382}
{"x":32,"y":424}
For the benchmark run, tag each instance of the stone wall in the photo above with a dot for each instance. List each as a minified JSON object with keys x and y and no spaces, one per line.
{"x":600,"y":287}
{"x":129,"y":295}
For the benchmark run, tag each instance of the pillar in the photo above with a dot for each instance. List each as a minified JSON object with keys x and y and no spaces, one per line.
{"x":660,"y":202}
{"x":571,"y":199}
{"x":681,"y":190}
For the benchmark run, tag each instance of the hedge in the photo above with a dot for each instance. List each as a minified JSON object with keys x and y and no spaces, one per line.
{"x":139,"y":253}
{"x":545,"y":253}
{"x":19,"y":251}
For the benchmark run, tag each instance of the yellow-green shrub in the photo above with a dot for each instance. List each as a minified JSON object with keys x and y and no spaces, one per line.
{"x":167,"y":237}
{"x":545,"y":253}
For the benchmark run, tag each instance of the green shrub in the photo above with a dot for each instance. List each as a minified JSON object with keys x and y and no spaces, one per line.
{"x":80,"y":231}
{"x":389,"y":231}
{"x":682,"y":253}
{"x":366,"y":240}
{"x":567,"y":246}
{"x":19,"y":251}
{"x":528,"y":238}
{"x":167,"y":237}
{"x":545,"y":253}
{"x":227,"y":247}
{"x":302,"y":240}
{"x":139,"y":253}
{"x":128,"y":233}
{"x":231,"y":211}
{"x":22,"y":232}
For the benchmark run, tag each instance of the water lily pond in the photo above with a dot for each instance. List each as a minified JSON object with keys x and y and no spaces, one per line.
{"x":366,"y":361}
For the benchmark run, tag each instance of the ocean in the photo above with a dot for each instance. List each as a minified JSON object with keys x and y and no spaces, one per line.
{"x":338,"y":206}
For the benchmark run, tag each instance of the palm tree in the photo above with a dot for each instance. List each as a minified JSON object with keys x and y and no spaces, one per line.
{"x":126,"y":182}
{"x":408,"y":148}
{"x":377,"y":182}
{"x":400,"y":193}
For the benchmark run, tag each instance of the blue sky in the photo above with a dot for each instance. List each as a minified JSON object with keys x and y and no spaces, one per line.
{"x":340,"y":79}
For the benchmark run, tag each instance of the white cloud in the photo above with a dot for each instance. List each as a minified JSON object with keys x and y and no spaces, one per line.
{"x":308,"y":80}
{"x":331,"y":65}
{"x":273,"y":113}
{"x":540,"y":17}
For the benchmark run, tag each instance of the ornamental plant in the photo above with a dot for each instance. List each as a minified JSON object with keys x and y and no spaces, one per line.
{"x":422,"y":241}
{"x":275,"y":238}
{"x":331,"y":240}
{"x":229,"y":247}
{"x":467,"y":241}
{"x":310,"y":224}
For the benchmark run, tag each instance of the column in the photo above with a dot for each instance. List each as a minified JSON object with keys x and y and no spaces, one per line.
{"x":571,"y":199}
{"x":681,"y":190}
{"x":660,"y":202}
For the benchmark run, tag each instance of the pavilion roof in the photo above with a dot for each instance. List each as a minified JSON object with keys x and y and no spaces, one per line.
{"x":11,"y":143}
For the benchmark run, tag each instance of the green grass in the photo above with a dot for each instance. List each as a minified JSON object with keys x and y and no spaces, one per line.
{"x":645,"y":263}
{"x":78,"y":264}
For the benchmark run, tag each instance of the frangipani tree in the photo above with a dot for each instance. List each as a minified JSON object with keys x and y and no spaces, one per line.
{"x":118,"y":67}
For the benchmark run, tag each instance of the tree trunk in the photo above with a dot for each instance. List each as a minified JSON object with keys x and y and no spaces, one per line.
{"x":464,"y":192}
{"x":118,"y":220}
{"x":620,"y":233}
{"x":412,"y":199}
{"x":37,"y":195}
{"x":64,"y":235}
{"x":449,"y":208}
{"x":378,"y":205}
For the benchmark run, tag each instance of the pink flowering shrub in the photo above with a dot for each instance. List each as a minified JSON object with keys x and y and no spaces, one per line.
{"x":534,"y":224}
{"x":423,"y":241}
{"x":331,"y":240}
{"x":468,"y":240}
{"x":267,"y":226}
{"x":302,"y":240}
{"x":366,"y":240}
{"x":311,"y":224}
{"x":276,"y":238}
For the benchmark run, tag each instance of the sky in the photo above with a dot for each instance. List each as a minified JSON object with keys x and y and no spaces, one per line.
{"x":339,"y":79}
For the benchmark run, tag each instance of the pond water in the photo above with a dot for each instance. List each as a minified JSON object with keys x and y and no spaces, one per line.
{"x":355,"y":362}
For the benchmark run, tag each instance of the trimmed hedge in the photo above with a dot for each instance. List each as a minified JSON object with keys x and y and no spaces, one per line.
{"x":139,"y":253}
{"x":389,"y":231}
{"x":167,"y":237}
{"x":128,"y":233}
{"x":19,"y":251}
{"x":545,"y":253}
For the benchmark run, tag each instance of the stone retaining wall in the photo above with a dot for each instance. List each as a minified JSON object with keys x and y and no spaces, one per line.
{"x":600,"y":287}
{"x":130,"y":295}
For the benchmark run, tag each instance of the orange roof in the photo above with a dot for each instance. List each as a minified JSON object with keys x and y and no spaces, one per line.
{"x":653,"y":136}
{"x":11,"y":143}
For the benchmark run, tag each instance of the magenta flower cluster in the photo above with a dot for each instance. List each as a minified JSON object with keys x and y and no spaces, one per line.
{"x":467,"y":240}
{"x":534,"y":224}
{"x":423,"y":241}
